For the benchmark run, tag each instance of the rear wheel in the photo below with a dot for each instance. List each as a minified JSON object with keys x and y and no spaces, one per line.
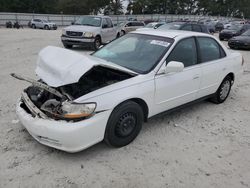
{"x":33,"y":26}
{"x":124,"y":124}
{"x":223,"y":91}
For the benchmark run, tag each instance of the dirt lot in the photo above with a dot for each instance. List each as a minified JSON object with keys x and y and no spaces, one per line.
{"x":205,"y":145}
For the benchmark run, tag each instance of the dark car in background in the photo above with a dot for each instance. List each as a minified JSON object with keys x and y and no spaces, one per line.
{"x":240,"y":42}
{"x":219,"y":26}
{"x":232,"y":31}
{"x":186,"y":26}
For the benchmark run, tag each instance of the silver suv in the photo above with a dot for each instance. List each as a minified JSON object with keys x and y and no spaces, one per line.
{"x":42,"y":24}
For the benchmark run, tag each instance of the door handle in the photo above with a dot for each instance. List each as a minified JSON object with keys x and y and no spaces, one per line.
{"x":196,"y":77}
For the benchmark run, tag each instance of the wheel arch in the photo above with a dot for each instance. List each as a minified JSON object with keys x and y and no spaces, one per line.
{"x":141,"y":103}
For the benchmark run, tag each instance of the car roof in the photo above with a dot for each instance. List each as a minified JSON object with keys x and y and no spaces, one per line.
{"x":170,"y":33}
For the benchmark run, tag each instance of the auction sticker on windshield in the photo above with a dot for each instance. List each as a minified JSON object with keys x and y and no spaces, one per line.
{"x":160,"y":43}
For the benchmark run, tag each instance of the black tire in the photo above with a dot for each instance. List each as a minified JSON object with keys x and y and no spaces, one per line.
{"x":118,"y":35}
{"x":223,"y":91}
{"x":97,"y":43}
{"x":124,"y":124}
{"x":123,"y":32}
{"x":68,"y":46}
{"x":46,"y":27}
{"x":33,"y":26}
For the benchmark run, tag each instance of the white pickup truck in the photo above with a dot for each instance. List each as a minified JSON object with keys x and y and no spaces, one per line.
{"x":90,"y":31}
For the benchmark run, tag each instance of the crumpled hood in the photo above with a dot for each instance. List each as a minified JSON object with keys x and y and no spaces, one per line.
{"x":81,"y":28}
{"x":58,"y":66}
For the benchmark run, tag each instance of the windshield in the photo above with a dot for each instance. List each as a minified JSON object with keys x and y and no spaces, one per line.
{"x":247,"y":33}
{"x":137,"y":52}
{"x":45,"y":21}
{"x":174,"y":26}
{"x":89,"y":20}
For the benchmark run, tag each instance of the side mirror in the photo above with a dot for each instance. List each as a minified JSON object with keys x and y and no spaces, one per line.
{"x":126,"y":26}
{"x":172,"y":67}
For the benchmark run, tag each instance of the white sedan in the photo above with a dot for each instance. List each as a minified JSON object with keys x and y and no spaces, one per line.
{"x":79,"y":100}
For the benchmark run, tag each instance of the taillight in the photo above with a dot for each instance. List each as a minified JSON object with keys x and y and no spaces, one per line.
{"x":243,"y":61}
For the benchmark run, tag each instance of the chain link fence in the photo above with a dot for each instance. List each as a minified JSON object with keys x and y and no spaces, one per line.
{"x":64,"y":20}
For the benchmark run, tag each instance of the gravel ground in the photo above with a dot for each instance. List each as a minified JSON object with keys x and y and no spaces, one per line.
{"x":205,"y":145}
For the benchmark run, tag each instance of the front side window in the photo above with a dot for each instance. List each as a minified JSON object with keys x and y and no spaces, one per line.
{"x":184,"y":52}
{"x":137,"y":52}
{"x":110,"y":24}
{"x":209,"y":49}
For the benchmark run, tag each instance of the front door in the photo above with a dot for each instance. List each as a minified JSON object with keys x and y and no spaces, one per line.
{"x":174,"y":89}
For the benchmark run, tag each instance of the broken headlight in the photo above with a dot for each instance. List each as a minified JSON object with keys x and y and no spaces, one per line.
{"x":76,"y":110}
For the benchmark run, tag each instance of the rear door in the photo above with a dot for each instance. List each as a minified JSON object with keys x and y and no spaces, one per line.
{"x":213,"y":65}
{"x":174,"y":89}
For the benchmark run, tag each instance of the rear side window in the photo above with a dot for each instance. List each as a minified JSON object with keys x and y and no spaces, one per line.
{"x":204,"y":29}
{"x":187,"y":27}
{"x":196,"y":28}
{"x":184,"y":52}
{"x":129,"y":24}
{"x":209,"y":49}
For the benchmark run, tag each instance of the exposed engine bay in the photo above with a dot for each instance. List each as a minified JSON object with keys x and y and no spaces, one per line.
{"x":58,"y":103}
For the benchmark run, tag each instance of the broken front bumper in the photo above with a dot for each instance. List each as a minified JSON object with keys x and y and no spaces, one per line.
{"x":67,"y":136}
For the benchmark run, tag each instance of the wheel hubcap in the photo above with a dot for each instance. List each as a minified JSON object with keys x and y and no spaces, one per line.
{"x":97,"y":44}
{"x":126,"y":125}
{"x":225,"y":90}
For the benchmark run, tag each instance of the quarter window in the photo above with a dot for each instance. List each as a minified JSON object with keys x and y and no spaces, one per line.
{"x":209,"y":49}
{"x":184,"y":52}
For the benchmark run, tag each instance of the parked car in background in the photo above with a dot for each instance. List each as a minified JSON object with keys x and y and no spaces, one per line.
{"x":154,"y":25}
{"x":240,"y":42}
{"x":219,"y":26}
{"x":129,"y":26}
{"x":81,"y":100}
{"x":232,"y":31}
{"x":186,"y":26}
{"x":90,"y":31}
{"x":42,"y":24}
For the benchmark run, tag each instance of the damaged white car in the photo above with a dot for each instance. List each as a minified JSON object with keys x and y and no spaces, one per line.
{"x":79,"y":100}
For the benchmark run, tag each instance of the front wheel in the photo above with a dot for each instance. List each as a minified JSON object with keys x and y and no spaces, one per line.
{"x":124,"y":124}
{"x":97,"y":43}
{"x":223,"y":91}
{"x":46,"y":27}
